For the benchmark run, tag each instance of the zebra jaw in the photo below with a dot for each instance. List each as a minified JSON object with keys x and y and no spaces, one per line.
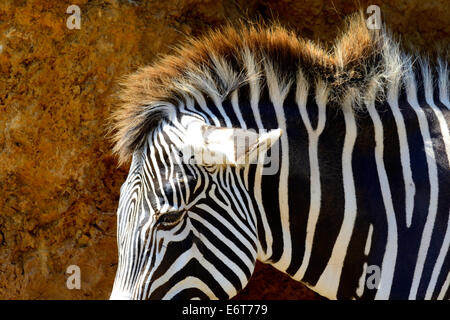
{"x":210,"y":145}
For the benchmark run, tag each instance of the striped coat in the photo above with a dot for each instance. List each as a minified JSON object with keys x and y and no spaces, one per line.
{"x":358,"y":204}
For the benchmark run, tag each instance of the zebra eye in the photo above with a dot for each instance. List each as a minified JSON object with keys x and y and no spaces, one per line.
{"x":170,"y":218}
{"x":180,"y":154}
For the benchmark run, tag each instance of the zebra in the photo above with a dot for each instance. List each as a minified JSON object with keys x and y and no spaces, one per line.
{"x":359,"y":136}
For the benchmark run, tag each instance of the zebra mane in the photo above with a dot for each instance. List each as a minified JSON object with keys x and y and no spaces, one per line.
{"x":359,"y":63}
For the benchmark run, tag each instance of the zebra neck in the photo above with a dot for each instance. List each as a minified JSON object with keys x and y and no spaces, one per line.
{"x":348,"y":176}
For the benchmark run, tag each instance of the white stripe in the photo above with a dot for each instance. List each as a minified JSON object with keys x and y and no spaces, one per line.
{"x":249,"y":213}
{"x":222,"y":112}
{"x":444,"y":83}
{"x":230,"y":244}
{"x":315,"y":187}
{"x":441,"y":119}
{"x":411,"y":94}
{"x":362,"y":279}
{"x":182,"y":261}
{"x":368,"y":241}
{"x":204,"y":106}
{"x":242,"y":124}
{"x":243,"y":227}
{"x":328,"y":282}
{"x":141,"y":287}
{"x":428,"y":86}
{"x":223,"y":258}
{"x":278,"y":92}
{"x":439,"y":262}
{"x":410,"y":188}
{"x":237,"y":110}
{"x":190,"y":282}
{"x":445,"y":288}
{"x":390,"y":254}
{"x":254,"y":103}
{"x":170,"y":177}
{"x":228,"y":193}
{"x":156,"y":237}
{"x":156,"y":148}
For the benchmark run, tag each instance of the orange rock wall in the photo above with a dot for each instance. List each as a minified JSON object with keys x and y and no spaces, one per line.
{"x":59,"y":184}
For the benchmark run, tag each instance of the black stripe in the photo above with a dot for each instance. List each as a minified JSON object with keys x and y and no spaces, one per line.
{"x":370,"y":209}
{"x":299,"y":180}
{"x":331,"y":143}
{"x":209,"y":217}
{"x":195,"y":269}
{"x":270,"y":183}
{"x":443,"y":202}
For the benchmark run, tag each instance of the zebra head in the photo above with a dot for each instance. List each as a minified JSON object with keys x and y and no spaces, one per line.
{"x":187,"y":226}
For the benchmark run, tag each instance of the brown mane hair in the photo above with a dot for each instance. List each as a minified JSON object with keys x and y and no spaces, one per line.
{"x":225,"y":59}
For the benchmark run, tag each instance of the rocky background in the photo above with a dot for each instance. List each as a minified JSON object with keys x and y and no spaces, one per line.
{"x":59,"y":183}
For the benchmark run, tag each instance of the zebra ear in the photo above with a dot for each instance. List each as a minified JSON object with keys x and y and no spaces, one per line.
{"x":229,"y":146}
{"x":249,"y":145}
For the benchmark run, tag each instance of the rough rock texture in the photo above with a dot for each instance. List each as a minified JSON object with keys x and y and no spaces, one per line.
{"x":59,"y":183}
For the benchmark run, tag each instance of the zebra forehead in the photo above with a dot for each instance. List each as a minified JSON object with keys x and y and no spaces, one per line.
{"x":232,"y":56}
